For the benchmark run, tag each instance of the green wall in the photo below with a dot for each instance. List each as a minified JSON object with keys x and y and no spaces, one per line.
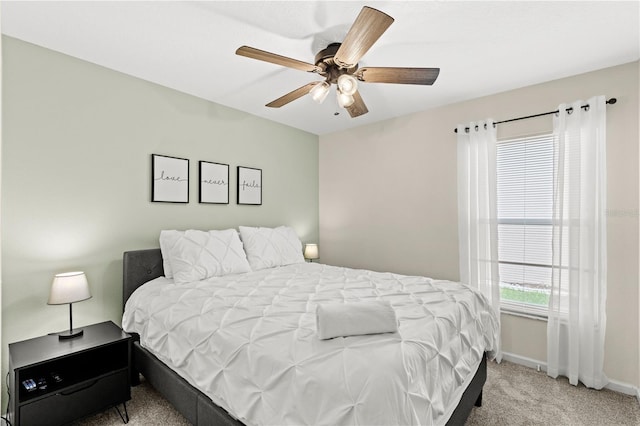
{"x":76,"y":166}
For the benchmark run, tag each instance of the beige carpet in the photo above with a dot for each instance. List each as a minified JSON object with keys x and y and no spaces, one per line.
{"x":517,"y":395}
{"x":513,"y":395}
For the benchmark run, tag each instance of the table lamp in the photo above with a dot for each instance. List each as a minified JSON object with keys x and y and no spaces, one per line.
{"x":311,"y":252}
{"x":69,"y":287}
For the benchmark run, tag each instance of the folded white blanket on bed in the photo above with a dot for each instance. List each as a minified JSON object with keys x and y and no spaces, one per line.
{"x":351,"y":319}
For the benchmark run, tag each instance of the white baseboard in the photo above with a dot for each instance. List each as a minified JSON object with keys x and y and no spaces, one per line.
{"x":523,"y":360}
{"x":622,"y":387}
{"x":613,"y":385}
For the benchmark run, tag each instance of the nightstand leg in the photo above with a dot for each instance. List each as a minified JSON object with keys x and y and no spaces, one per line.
{"x":124,"y":418}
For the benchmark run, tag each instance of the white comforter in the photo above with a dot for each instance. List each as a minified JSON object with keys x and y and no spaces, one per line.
{"x":249,"y":342}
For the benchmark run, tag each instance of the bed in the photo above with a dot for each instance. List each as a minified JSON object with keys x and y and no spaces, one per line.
{"x":280,"y":310}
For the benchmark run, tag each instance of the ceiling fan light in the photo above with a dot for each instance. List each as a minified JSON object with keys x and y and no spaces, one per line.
{"x":345,"y":100}
{"x":347,"y":84}
{"x":320,"y":92}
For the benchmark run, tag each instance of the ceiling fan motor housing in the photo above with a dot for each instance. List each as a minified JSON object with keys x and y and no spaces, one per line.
{"x":324,"y":60}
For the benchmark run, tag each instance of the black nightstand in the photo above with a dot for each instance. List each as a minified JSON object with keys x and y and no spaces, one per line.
{"x":54,"y":382}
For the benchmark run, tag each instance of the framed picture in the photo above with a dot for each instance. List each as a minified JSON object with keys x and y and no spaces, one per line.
{"x":169,"y":179}
{"x":249,"y":186}
{"x":214,"y":183}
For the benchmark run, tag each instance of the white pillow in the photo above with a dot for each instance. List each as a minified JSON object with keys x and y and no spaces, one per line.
{"x":167,"y":240}
{"x":198,"y":255}
{"x":271,"y":247}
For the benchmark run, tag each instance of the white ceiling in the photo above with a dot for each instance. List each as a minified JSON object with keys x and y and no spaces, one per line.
{"x":480,"y":47}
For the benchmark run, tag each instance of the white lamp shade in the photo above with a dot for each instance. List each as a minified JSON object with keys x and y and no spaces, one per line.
{"x":345,"y":100}
{"x":347,"y":84}
{"x":311,"y":251}
{"x":69,"y":287}
{"x":320,"y":92}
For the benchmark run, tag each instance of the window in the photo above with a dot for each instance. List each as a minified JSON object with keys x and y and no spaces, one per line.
{"x":525,"y":202}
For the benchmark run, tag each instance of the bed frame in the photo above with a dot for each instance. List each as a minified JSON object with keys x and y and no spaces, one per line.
{"x":140,"y":266}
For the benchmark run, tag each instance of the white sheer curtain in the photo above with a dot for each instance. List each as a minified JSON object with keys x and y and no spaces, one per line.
{"x":478,"y":211}
{"x":0,"y":184}
{"x":577,"y":320}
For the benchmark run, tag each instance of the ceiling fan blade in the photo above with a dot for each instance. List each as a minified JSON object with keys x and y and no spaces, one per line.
{"x":357,"y":108}
{"x":365,"y":31}
{"x":261,"y":55}
{"x":292,"y":96}
{"x":426,"y":76}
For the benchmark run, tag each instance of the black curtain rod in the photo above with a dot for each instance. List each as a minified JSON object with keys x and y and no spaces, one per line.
{"x":610,"y":102}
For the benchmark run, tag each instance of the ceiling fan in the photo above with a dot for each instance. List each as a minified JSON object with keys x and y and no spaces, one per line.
{"x":338,"y":63}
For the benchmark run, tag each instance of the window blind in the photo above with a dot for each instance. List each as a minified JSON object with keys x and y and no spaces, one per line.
{"x":525,"y":201}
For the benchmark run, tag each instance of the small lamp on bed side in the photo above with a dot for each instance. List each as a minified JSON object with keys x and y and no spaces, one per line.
{"x":69,"y":287}
{"x":311,"y":252}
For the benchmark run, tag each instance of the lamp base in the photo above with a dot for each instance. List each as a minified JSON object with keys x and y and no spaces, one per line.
{"x":70,"y":334}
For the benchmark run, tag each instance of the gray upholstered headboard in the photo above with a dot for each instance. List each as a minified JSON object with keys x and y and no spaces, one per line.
{"x":138,"y":267}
